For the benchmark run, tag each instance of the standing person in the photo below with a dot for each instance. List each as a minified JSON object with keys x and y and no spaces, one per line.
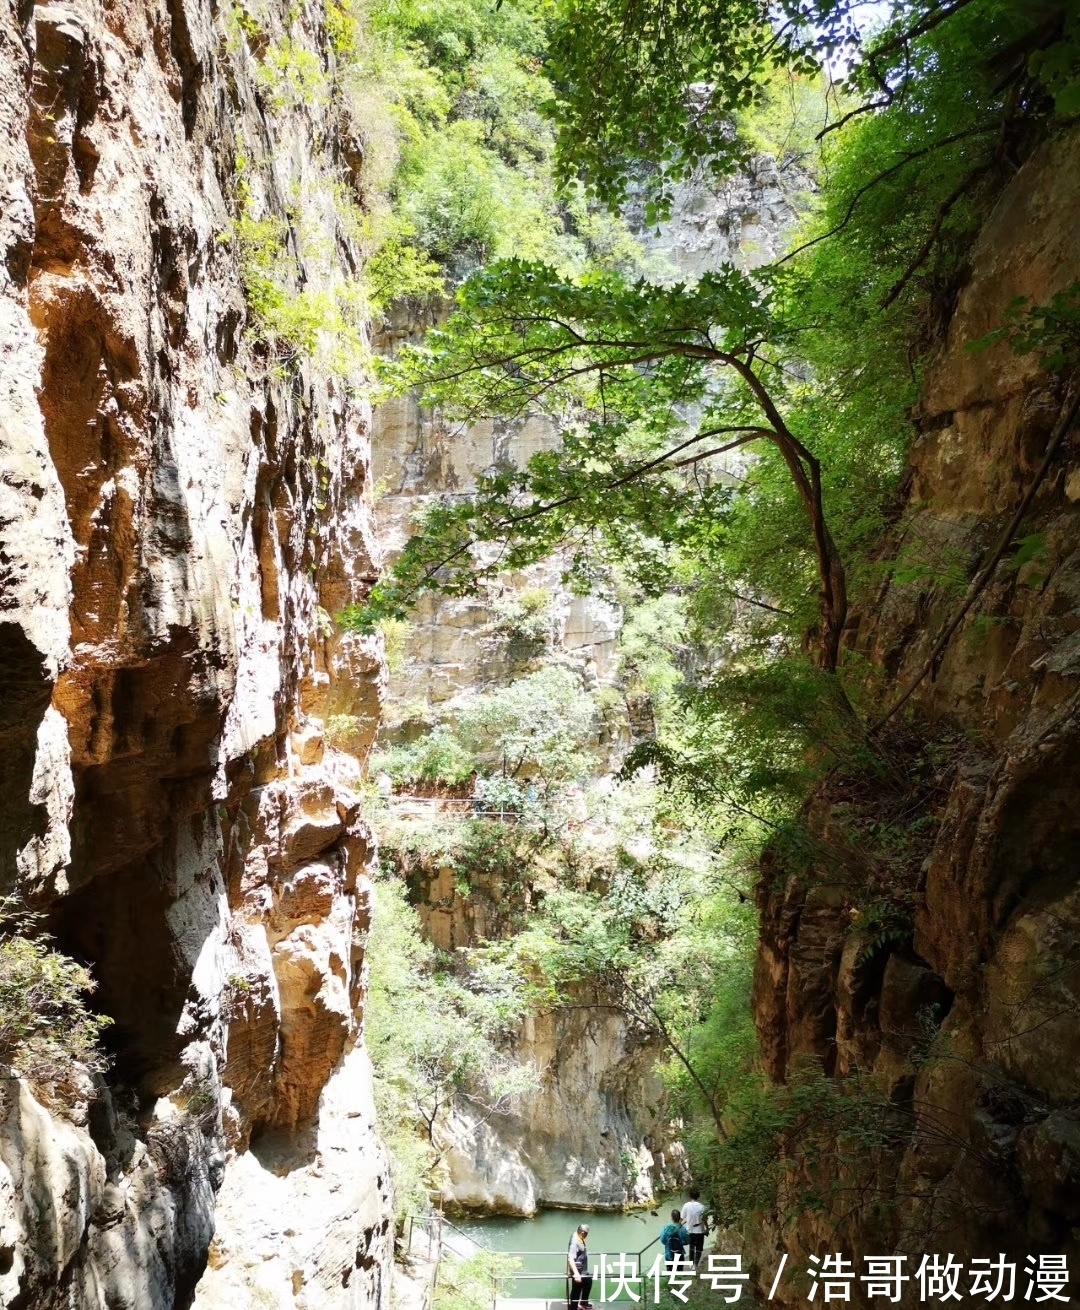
{"x":674,"y":1237}
{"x":693,"y":1217}
{"x":577,"y":1264}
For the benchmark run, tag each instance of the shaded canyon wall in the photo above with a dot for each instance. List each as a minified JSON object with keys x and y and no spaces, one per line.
{"x":968,"y":1022}
{"x":596,"y":1132}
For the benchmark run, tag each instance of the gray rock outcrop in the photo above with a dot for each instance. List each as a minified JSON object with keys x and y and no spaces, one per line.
{"x":596,"y":1129}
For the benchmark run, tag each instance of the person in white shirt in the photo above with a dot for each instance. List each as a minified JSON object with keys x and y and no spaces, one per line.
{"x":693,"y":1217}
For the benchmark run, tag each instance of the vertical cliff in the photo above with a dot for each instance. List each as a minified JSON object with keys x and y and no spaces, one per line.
{"x":181,"y":506}
{"x":595,"y":1131}
{"x":957,"y":1000}
{"x":459,"y":646}
{"x":595,"y":1128}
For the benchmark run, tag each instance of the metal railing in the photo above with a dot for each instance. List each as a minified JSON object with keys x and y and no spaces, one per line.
{"x":561,"y":1273}
{"x":502,"y":813}
{"x":433,"y":1225}
{"x":427,"y":1227}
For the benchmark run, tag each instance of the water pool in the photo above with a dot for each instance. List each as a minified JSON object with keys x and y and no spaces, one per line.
{"x":540,"y":1245}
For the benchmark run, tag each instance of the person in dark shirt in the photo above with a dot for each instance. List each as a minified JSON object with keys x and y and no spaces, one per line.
{"x":577,"y":1264}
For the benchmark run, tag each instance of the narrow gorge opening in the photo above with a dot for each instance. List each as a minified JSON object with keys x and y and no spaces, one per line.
{"x":540,"y":580}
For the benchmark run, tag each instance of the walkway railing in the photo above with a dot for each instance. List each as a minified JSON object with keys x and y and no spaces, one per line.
{"x":629,"y":1270}
{"x":465,"y":804}
{"x":431,"y":1230}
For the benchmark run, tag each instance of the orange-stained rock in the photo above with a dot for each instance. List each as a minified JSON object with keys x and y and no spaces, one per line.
{"x":180,"y":517}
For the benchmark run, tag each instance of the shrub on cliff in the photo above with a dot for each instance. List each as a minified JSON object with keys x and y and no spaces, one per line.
{"x":48,"y":1034}
{"x":436,"y":758}
{"x":534,"y":733}
{"x":471,"y":1284}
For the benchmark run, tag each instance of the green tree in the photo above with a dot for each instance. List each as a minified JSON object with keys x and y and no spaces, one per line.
{"x":537,"y":728}
{"x":48,"y":1033}
{"x":652,"y":385}
{"x":663,"y":82}
{"x":633,"y":356}
{"x":475,"y":1283}
{"x":523,"y":743}
{"x":653,"y":941}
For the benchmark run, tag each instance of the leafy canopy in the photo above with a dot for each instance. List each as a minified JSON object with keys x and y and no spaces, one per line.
{"x":654,"y":386}
{"x":663,"y":83}
{"x":536,"y":732}
{"x":651,"y":381}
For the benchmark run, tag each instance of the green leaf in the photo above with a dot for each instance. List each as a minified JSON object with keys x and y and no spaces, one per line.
{"x":1028,"y":548}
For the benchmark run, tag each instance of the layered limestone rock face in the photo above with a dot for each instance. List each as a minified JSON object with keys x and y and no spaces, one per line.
{"x":990,"y":1159}
{"x":745,"y":219}
{"x":457,"y":646}
{"x":595,"y":1134}
{"x":179,"y":513}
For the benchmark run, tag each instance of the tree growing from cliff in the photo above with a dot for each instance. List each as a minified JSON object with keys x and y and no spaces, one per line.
{"x":521,"y":745}
{"x":625,"y":361}
{"x":811,"y":363}
{"x":48,"y":1033}
{"x":645,"y":942}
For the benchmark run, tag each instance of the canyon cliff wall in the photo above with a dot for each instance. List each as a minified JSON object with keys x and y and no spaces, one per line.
{"x":596,"y":1133}
{"x":581,"y":1138}
{"x":966,"y":1014}
{"x":181,"y":507}
{"x":458,"y":646}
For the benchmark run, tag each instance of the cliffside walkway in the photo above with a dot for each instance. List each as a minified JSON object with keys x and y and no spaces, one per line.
{"x":409,"y":805}
{"x":550,"y":1285}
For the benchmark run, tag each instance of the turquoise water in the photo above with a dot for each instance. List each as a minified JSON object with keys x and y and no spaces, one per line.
{"x":540,"y":1245}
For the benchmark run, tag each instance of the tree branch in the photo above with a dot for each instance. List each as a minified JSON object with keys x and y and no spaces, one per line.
{"x":1061,"y":428}
{"x":680,"y":1055}
{"x":909,"y":158}
{"x":752,"y":434}
{"x":924,"y":250}
{"x":932,"y":20}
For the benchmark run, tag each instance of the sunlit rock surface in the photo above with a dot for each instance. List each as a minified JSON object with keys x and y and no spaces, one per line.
{"x":175,"y":511}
